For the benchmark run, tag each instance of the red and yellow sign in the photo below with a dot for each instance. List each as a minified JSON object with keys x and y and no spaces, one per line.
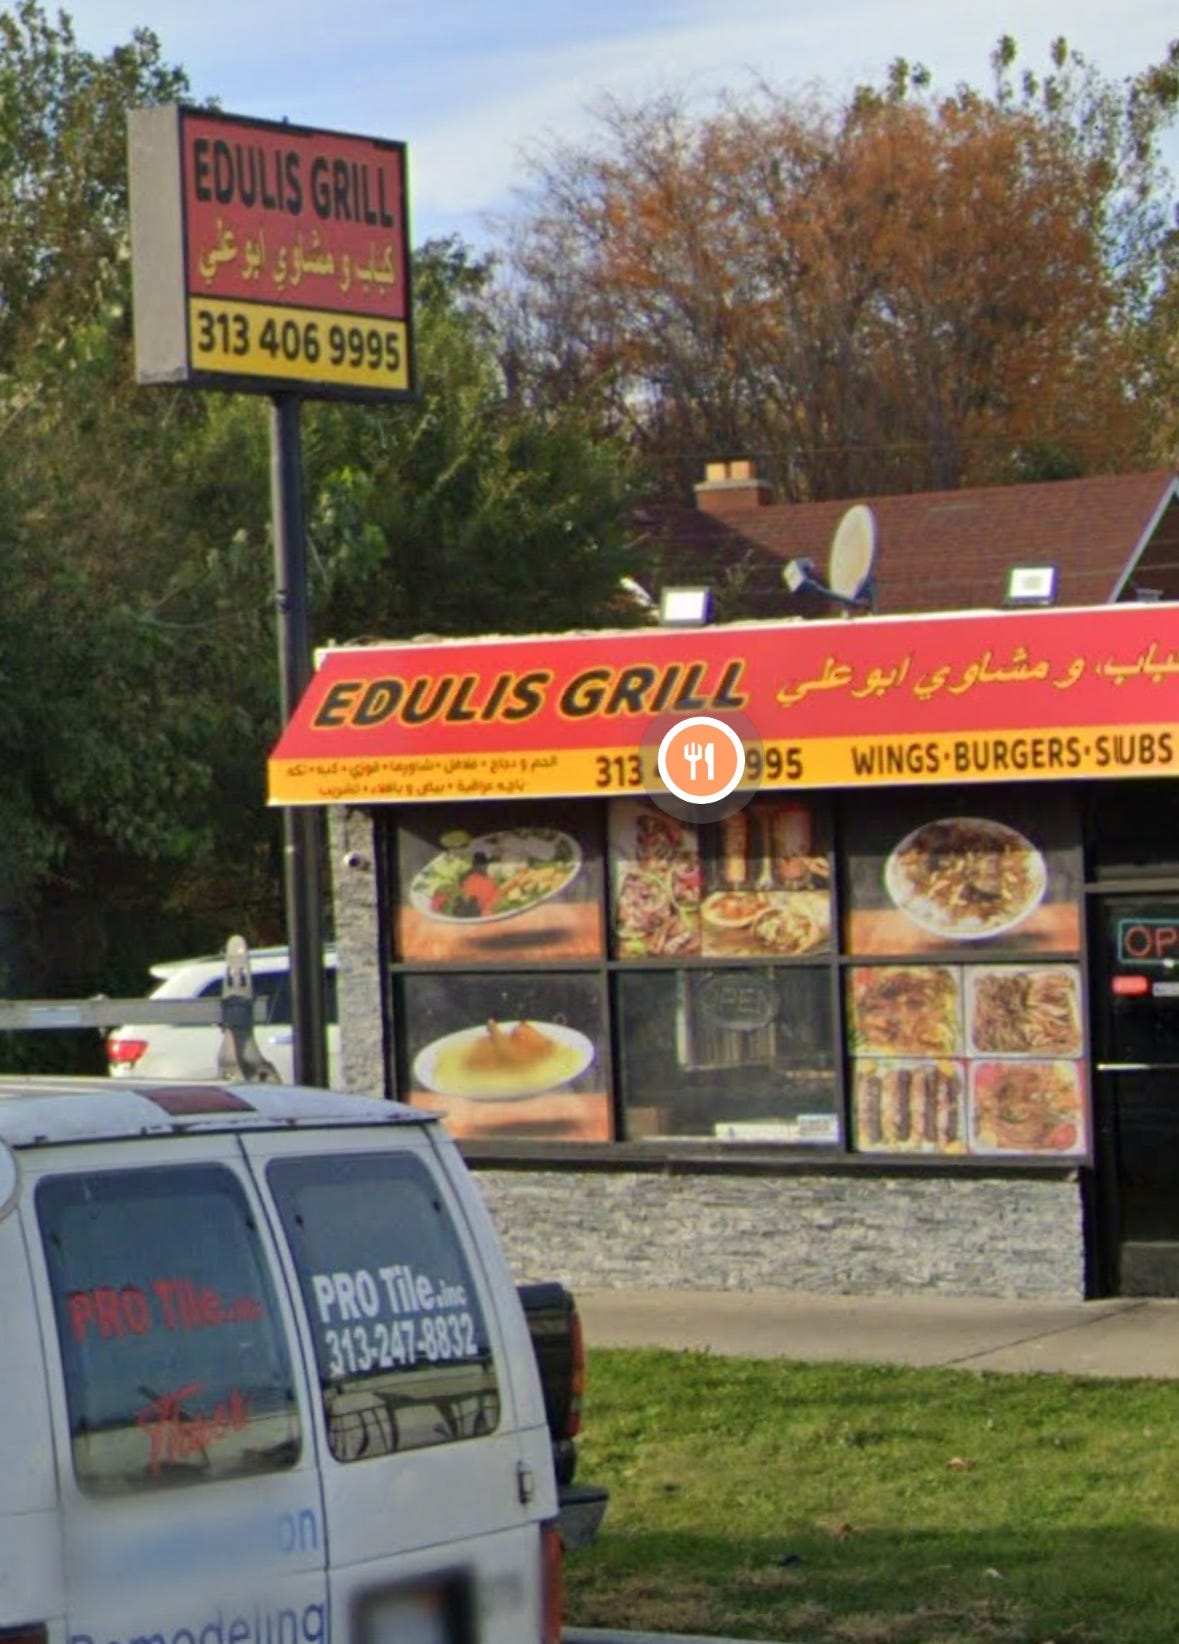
{"x":885,"y":701}
{"x":282,"y":264}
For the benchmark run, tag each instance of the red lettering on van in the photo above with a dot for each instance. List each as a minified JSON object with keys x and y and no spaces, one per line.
{"x":176,"y":1433}
{"x":114,"y":1312}
{"x":81,"y":1311}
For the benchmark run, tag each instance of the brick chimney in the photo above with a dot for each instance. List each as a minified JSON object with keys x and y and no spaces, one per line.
{"x":732,"y":488}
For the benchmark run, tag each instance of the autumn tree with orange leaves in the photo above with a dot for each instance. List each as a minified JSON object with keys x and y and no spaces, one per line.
{"x":905,"y":291}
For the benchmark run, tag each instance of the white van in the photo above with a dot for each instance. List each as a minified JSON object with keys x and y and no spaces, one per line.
{"x":266,"y":1378}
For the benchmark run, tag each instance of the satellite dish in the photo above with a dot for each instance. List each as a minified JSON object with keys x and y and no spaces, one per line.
{"x":853,"y":552}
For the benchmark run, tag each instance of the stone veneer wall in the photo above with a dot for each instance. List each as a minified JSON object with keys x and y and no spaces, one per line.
{"x":358,"y":949}
{"x":846,"y":1233}
{"x":851,"y":1231}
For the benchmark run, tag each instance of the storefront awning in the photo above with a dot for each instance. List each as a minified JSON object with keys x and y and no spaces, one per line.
{"x":995,"y":696}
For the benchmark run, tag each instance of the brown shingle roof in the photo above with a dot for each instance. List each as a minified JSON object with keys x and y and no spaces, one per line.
{"x":947,"y":550}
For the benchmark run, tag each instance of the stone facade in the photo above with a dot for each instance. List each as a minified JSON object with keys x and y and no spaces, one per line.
{"x":358,"y":949}
{"x":847,"y":1231}
{"x":840,"y":1234}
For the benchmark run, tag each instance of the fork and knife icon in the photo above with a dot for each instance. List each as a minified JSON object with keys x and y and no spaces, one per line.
{"x":694,"y":752}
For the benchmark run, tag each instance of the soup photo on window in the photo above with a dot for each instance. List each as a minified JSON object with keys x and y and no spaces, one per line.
{"x":517,"y":1053}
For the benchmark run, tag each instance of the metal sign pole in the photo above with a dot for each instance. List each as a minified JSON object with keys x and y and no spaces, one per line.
{"x":302,"y":827}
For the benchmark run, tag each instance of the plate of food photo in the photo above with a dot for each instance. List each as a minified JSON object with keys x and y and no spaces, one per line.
{"x":910,"y":1105}
{"x":906,"y":1010}
{"x":1024,"y":1010}
{"x":966,"y":878}
{"x":784,"y":923}
{"x":502,"y":1061}
{"x":1026,"y":1107}
{"x":657,"y":886}
{"x":734,"y":910}
{"x":495,"y":876}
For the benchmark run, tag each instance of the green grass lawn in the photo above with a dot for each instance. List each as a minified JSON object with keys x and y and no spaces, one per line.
{"x":852,"y":1504}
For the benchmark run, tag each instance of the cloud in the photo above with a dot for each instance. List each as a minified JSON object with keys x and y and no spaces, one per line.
{"x":470,"y":86}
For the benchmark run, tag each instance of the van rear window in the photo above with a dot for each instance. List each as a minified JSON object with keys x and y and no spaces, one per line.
{"x":400,"y":1338}
{"x":176,"y":1364}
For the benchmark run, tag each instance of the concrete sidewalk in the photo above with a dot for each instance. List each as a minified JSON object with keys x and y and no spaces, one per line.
{"x":1118,"y":1337}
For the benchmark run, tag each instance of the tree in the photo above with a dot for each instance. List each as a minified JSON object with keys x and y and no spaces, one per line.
{"x":137,"y":641}
{"x":63,"y":169}
{"x":138,"y":666}
{"x":466,"y":512}
{"x":902,"y":291}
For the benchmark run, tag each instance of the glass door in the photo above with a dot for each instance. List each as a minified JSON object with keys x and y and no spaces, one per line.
{"x":1135,"y":1009}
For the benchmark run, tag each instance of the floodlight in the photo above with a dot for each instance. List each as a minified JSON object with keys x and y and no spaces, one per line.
{"x":1031,"y":585}
{"x":685,"y":607}
{"x":798,"y":574}
{"x":636,"y":592}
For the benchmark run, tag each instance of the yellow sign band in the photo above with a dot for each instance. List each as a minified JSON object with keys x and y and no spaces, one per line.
{"x":828,"y":762}
{"x":297,"y":344}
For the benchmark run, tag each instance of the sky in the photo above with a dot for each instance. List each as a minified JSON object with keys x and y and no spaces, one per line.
{"x":471,"y":86}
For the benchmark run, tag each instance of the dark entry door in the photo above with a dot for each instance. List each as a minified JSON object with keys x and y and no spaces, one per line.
{"x":1135,"y":1015}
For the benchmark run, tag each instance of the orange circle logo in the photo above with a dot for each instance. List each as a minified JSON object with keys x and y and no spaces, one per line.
{"x":701,"y":760}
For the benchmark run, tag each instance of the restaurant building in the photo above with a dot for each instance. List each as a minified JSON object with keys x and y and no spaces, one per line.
{"x":907,"y":1019}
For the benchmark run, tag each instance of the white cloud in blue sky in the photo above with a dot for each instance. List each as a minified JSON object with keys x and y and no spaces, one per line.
{"x":468,"y":84}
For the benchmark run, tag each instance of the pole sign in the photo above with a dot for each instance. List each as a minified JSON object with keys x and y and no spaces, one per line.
{"x":267,"y":257}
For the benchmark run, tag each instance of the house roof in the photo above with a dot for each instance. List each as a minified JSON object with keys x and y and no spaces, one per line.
{"x":939,"y":550}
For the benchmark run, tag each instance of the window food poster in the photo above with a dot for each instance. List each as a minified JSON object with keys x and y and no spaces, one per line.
{"x":487,"y":883}
{"x":983,"y":1055}
{"x":518,"y":1053}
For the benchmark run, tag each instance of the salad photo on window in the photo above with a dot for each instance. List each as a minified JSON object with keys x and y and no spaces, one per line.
{"x":497,"y":882}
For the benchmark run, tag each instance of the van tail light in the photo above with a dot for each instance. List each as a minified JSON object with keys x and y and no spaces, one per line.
{"x":552,"y":1585}
{"x":576,"y":1377}
{"x":121,"y":1053}
{"x":29,"y":1632}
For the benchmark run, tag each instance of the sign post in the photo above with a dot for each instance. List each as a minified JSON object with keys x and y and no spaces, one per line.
{"x":302,"y":831}
{"x":272,"y":259}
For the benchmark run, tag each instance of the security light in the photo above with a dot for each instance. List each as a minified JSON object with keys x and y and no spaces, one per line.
{"x":798,"y":574}
{"x":685,"y":607}
{"x":636,"y":593}
{"x":1031,"y":585}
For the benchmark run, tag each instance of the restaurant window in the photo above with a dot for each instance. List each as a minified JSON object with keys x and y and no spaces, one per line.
{"x":754,"y":886}
{"x":962,"y":977}
{"x":498,"y":941}
{"x":516,"y":1053}
{"x":591,"y":972}
{"x":493,"y":885}
{"x":723,"y":1029}
{"x":739,"y":1054}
